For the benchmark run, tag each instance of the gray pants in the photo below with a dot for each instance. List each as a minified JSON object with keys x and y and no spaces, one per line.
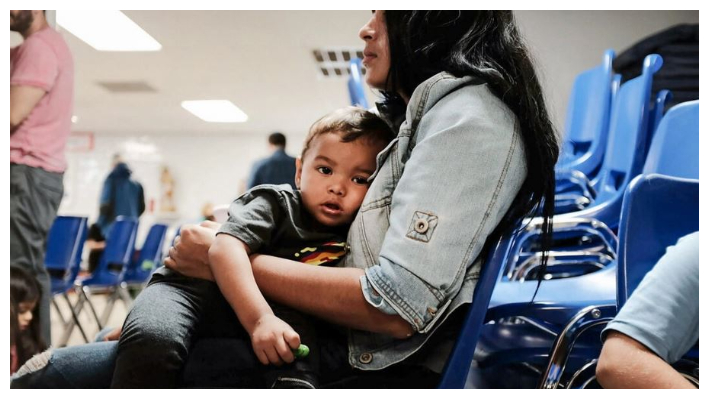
{"x":35,"y":195}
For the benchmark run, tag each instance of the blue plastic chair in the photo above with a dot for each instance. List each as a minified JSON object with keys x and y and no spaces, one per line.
{"x":141,"y":268}
{"x":109,"y":274}
{"x":355,"y":85}
{"x":657,"y":211}
{"x":625,"y":154}
{"x":675,"y":146}
{"x":625,"y":151}
{"x":65,"y":243}
{"x":456,"y":370}
{"x":662,"y":208}
{"x":587,"y":119}
{"x":150,"y":256}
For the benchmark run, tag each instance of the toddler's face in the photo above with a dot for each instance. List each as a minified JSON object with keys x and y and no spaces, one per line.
{"x":24,"y":317}
{"x":333,"y":177}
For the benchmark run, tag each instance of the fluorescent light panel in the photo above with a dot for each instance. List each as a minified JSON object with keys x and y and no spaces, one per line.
{"x":223,"y":111}
{"x":107,"y":30}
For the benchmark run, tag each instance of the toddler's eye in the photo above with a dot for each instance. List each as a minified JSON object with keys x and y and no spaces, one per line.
{"x":324,"y":170}
{"x":360,"y":180}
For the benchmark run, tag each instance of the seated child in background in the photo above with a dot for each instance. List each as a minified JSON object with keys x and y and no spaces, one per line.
{"x":25,"y":337}
{"x":308,"y":225}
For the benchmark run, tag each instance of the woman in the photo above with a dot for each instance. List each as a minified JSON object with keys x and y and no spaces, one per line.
{"x":461,"y":90}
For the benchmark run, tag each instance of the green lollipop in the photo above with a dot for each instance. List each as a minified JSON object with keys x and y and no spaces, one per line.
{"x":301,"y":352}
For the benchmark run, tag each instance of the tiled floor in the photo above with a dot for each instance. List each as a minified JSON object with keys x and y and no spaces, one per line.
{"x":85,"y":318}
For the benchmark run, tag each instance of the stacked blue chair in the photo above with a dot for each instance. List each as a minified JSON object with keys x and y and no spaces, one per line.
{"x":456,"y":370}
{"x":586,"y":128}
{"x":142,"y":267}
{"x":63,"y":260}
{"x":109,"y":274}
{"x":591,"y":230}
{"x":659,"y":206}
{"x":355,"y":85}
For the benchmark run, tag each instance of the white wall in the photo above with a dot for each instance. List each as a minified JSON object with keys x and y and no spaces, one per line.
{"x":206,"y":168}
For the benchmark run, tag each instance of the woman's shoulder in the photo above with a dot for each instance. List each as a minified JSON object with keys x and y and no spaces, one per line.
{"x":466,"y":96}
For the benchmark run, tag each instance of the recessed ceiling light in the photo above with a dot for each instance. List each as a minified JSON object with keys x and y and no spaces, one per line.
{"x":223,"y":111}
{"x":107,"y":30}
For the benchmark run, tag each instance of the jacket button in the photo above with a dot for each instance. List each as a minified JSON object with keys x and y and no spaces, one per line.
{"x":421,"y":226}
{"x":365,"y":358}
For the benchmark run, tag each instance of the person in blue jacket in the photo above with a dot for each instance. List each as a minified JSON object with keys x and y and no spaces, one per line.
{"x":121,"y":196}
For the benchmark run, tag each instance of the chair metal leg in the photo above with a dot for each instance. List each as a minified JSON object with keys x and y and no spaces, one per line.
{"x":59,"y":312}
{"x":91,"y":306}
{"x":588,"y":317}
{"x":75,"y":318}
{"x":110,"y":302}
{"x":74,"y":321}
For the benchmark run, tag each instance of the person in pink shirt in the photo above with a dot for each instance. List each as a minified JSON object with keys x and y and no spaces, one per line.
{"x":41,"y":100}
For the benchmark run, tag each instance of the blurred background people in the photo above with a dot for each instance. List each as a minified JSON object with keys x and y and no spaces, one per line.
{"x":41,"y":100}
{"x":279,"y":168}
{"x":121,"y":196}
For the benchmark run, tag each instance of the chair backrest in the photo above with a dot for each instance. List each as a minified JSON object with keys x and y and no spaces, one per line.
{"x":661,"y":100}
{"x":625,"y":151}
{"x":657,"y":211}
{"x":65,"y":243}
{"x":675,"y":146}
{"x":587,"y":118}
{"x":150,"y":255}
{"x":355,"y":85}
{"x":116,"y":255}
{"x":458,"y":365}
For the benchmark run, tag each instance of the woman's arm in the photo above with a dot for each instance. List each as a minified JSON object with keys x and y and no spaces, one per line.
{"x":331,"y":293}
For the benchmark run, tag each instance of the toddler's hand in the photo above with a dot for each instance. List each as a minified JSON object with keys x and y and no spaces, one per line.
{"x":273,"y":341}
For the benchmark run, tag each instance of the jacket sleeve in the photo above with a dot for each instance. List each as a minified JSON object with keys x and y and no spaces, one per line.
{"x":463,"y":174}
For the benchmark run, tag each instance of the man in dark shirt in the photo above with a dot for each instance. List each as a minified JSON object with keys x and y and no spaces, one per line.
{"x":279,"y":168}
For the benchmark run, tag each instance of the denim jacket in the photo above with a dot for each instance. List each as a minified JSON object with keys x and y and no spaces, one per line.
{"x":440,"y":188}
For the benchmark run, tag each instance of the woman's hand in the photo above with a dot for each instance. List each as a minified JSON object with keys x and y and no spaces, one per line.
{"x":273,"y":340}
{"x":189,"y":255}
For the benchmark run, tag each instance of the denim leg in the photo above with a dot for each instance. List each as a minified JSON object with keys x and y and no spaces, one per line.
{"x":159,"y":330}
{"x":87,"y":366}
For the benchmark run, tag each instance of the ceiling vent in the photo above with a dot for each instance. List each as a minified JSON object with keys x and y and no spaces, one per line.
{"x":134,"y":86}
{"x":334,"y":62}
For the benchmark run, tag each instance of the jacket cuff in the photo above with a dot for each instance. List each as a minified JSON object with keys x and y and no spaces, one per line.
{"x":391,"y":289}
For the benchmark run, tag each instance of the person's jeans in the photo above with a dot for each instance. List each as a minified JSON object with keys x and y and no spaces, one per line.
{"x":82,"y":366}
{"x":222,"y":355}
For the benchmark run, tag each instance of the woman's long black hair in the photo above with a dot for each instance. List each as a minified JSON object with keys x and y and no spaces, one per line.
{"x":25,"y":288}
{"x":485,"y":44}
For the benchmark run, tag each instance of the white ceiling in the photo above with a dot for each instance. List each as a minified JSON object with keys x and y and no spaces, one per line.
{"x":260,"y":60}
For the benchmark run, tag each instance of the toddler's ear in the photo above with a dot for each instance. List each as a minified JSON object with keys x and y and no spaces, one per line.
{"x":298,"y":171}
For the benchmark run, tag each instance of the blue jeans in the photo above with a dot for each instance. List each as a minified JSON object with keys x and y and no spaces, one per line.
{"x":83,"y":366}
{"x":156,"y":355}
